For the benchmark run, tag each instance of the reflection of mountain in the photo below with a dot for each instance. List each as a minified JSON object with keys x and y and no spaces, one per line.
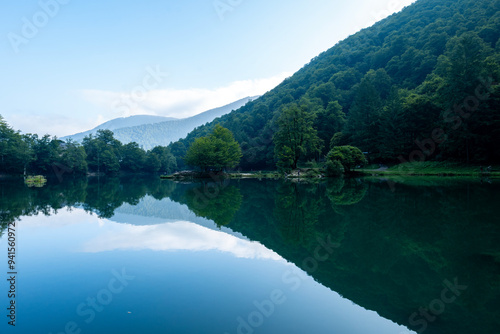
{"x":151,"y":211}
{"x":396,"y":248}
{"x":215,"y":201}
{"x":174,"y":236}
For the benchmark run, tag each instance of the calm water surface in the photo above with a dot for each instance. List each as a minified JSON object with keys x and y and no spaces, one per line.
{"x":341,"y":256}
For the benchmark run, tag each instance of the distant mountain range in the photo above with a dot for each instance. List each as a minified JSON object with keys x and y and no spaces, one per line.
{"x":150,"y":131}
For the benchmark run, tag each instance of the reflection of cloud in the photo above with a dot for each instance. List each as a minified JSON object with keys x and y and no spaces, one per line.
{"x":175,"y":236}
{"x":64,"y":217}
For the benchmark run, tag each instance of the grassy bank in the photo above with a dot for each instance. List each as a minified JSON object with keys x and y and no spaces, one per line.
{"x":407,"y":169}
{"x":435,"y":169}
{"x":302,"y":173}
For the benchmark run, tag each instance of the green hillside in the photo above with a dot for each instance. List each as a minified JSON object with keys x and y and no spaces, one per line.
{"x":419,"y":85}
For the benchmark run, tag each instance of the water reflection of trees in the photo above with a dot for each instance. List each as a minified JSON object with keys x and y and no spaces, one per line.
{"x":100,"y":196}
{"x":215,"y":201}
{"x":296,"y":211}
{"x":396,"y":248}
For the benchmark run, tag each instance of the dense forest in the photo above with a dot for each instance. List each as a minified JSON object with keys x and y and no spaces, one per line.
{"x":419,"y":85}
{"x":102,"y":153}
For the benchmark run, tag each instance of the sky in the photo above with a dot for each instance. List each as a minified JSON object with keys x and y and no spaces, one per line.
{"x":70,"y":65}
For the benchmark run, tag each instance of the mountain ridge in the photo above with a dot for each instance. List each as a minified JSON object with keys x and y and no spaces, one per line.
{"x":150,"y":131}
{"x":120,"y":122}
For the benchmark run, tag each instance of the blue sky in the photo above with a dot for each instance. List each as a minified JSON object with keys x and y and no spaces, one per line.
{"x":69,"y":65}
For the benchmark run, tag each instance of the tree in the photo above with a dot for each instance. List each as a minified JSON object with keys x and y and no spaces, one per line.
{"x":74,"y":157}
{"x":330,"y":121}
{"x":220,"y":208}
{"x":103,"y":152}
{"x":295,"y":137}
{"x":110,"y":163}
{"x":348,"y":156}
{"x":228,"y":151}
{"x":133,"y":158}
{"x":47,"y":152}
{"x":364,"y":117}
{"x":15,"y":153}
{"x":179,"y":151}
{"x":167,"y":161}
{"x":428,"y":57}
{"x":463,"y":67}
{"x":216,"y":151}
{"x":334,"y":168}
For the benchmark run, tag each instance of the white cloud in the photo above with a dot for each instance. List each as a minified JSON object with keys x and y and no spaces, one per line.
{"x":178,"y":103}
{"x":51,"y":123}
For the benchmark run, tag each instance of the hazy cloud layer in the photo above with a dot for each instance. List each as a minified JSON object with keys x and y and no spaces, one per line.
{"x":103,"y":106}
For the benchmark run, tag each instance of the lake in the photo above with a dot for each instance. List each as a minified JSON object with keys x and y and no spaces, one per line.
{"x":141,"y":255}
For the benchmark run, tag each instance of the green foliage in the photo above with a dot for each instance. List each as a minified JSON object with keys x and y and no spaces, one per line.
{"x":381,"y":238}
{"x":329,"y":121}
{"x":35,"y":181}
{"x":215,"y":201}
{"x":102,"y":153}
{"x":160,"y":159}
{"x":74,"y":158}
{"x":387,"y":88}
{"x":296,"y":214}
{"x":295,"y":137}
{"x":347,"y":156}
{"x":334,"y":168}
{"x":217,"y":151}
{"x":133,"y":157}
{"x":15,"y":154}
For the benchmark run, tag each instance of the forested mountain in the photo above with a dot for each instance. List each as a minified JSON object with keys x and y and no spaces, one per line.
{"x":152,"y":131}
{"x":118,"y":123}
{"x":418,"y":85}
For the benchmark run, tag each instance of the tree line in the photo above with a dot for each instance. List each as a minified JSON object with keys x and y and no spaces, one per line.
{"x":102,"y":153}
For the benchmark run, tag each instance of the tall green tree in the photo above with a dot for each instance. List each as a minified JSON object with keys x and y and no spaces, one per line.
{"x":179,"y":151}
{"x":348,"y":156}
{"x":104,"y":152}
{"x":217,"y":151}
{"x":167,"y":163}
{"x":15,"y":152}
{"x":133,"y":158}
{"x":463,"y":68}
{"x":329,"y":121}
{"x":364,"y":117}
{"x":295,"y":137}
{"x":74,"y":158}
{"x":47,"y":152}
